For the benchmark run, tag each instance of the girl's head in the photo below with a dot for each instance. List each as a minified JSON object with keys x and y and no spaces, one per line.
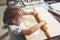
{"x":12,"y":16}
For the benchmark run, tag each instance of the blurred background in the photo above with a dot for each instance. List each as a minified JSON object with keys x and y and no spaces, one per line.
{"x":3,"y":5}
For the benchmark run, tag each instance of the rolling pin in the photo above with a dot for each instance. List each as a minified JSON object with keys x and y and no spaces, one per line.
{"x":44,"y":27}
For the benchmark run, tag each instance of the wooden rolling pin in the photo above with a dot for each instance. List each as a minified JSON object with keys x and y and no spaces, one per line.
{"x":54,"y":12}
{"x":43,"y":28}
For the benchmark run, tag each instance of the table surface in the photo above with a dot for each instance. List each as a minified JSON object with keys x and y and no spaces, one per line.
{"x":52,"y":24}
{"x":56,"y":6}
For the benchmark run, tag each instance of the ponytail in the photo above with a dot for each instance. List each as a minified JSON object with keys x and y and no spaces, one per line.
{"x":5,"y":26}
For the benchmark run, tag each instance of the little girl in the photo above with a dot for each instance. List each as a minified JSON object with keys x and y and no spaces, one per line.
{"x":12,"y":20}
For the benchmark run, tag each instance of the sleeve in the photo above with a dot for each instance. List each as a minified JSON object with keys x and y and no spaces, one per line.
{"x":15,"y":30}
{"x":22,"y":26}
{"x":19,"y":29}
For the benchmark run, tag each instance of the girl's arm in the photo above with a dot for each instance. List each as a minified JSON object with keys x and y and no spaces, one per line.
{"x":29,"y":13}
{"x":33,"y":28}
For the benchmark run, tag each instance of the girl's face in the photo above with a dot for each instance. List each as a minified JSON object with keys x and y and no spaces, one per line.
{"x":18,"y":20}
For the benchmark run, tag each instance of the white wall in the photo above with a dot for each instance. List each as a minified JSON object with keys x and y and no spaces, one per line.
{"x":2,"y":31}
{"x":1,"y":1}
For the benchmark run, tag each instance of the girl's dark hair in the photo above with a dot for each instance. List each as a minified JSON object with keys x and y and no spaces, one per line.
{"x":9,"y":14}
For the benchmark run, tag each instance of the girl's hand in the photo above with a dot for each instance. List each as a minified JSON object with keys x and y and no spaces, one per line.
{"x":42,"y":23}
{"x":43,"y":28}
{"x":35,"y":13}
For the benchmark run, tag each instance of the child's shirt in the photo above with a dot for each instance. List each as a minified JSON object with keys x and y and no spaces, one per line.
{"x":15,"y":33}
